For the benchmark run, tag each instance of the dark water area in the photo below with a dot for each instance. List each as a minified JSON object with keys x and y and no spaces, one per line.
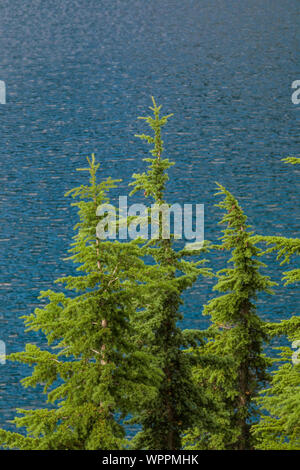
{"x":79,"y":73}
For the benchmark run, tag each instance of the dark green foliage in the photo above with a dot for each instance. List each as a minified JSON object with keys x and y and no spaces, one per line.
{"x":240,"y":337}
{"x":116,"y":350}
{"x":101,"y":375}
{"x":174,"y":407}
{"x":279,"y":428}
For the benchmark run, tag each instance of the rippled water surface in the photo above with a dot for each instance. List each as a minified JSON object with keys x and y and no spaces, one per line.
{"x":78,"y":73}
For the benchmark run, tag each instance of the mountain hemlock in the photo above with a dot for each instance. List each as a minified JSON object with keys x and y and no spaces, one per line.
{"x":92,"y":374}
{"x":164,"y":419}
{"x":240,"y":338}
{"x":117,"y":355}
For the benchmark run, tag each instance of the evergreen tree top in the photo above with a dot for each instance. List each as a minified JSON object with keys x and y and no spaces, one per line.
{"x":153,"y":182}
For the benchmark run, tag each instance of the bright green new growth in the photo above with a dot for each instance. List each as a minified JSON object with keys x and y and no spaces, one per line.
{"x":292,"y":160}
{"x":92,"y":374}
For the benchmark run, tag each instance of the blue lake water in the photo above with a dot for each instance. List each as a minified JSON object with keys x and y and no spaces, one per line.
{"x":78,"y":73}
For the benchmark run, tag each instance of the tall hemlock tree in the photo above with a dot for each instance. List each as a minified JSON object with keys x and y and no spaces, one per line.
{"x":174,"y":408}
{"x":240,"y":338}
{"x":92,"y":373}
{"x":279,"y":428}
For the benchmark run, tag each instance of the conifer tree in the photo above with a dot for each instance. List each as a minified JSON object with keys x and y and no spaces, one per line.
{"x":240,"y":338}
{"x":92,"y":373}
{"x":279,"y":428}
{"x":177,"y":401}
